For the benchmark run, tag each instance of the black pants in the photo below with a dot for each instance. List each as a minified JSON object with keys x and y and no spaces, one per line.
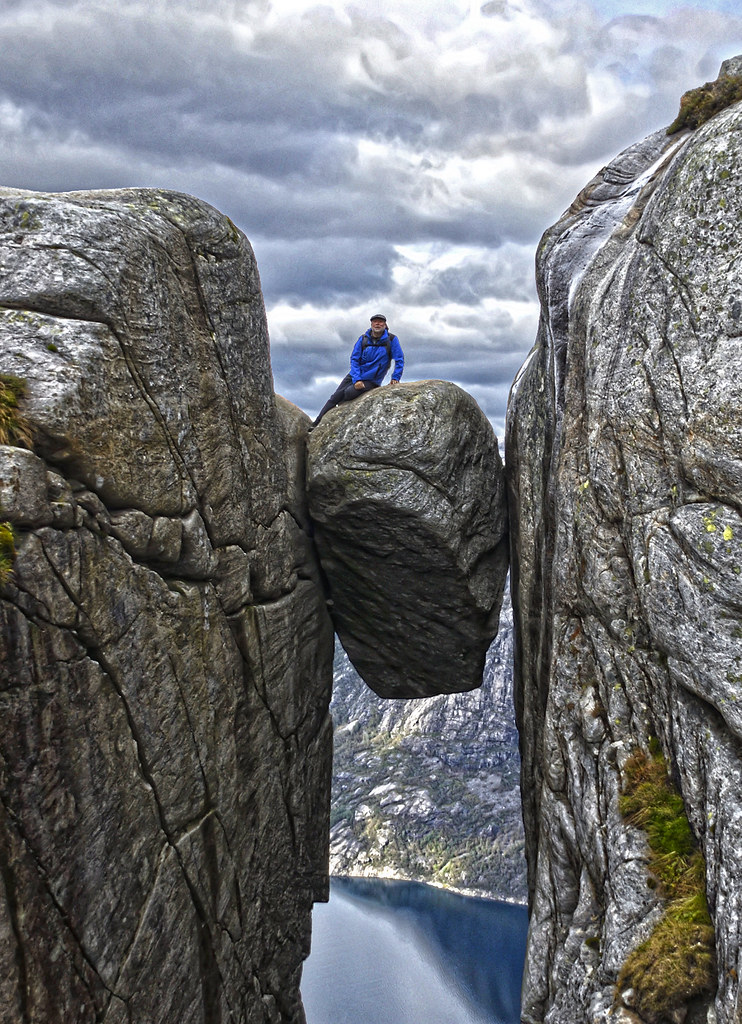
{"x":346,"y":391}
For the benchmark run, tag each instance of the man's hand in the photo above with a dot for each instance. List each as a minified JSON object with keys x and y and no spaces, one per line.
{"x":359,"y":385}
{"x":393,"y":381}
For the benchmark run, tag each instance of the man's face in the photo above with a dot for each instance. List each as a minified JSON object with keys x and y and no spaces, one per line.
{"x":377,"y":327}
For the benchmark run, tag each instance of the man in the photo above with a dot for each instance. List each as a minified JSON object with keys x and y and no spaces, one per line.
{"x":371,"y":358}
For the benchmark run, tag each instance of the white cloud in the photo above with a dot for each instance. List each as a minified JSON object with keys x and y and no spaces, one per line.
{"x":404,"y":157}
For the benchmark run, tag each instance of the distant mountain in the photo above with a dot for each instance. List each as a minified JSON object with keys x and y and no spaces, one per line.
{"x":429,"y":789}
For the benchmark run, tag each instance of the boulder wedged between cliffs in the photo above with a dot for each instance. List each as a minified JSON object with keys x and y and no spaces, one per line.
{"x":407,"y":496}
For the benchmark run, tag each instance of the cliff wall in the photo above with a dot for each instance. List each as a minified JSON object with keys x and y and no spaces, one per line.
{"x":624,"y":452}
{"x":165,"y":649}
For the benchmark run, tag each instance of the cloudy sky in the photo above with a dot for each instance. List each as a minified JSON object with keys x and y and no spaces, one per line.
{"x":401,"y":156}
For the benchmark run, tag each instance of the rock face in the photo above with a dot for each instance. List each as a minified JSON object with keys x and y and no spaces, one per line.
{"x":428,"y":790}
{"x":624,"y":445}
{"x":165,"y":652}
{"x":406,"y":493}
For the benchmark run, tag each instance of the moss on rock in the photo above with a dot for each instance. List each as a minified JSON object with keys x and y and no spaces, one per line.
{"x":699,"y":105}
{"x":14,"y":429}
{"x":677,"y":963}
{"x":7,"y":552}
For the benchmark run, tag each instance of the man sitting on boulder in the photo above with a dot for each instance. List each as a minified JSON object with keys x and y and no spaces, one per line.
{"x":371,"y":358}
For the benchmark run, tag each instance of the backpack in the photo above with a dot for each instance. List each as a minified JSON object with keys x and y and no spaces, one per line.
{"x":387,"y":343}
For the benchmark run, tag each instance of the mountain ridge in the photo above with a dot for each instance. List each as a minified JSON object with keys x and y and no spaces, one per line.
{"x":429,"y":790}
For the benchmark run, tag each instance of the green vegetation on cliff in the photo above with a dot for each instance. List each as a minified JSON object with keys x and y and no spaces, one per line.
{"x":676,"y":964}
{"x":14,"y":429}
{"x":697,"y":106}
{"x":7,"y":551}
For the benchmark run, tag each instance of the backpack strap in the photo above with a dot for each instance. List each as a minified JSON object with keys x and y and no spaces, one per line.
{"x":387,"y":343}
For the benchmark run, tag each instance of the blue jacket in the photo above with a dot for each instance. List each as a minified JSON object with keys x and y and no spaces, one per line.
{"x":373,"y":362}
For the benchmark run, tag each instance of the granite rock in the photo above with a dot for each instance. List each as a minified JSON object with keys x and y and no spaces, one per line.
{"x":165,"y":650}
{"x":624,"y":442}
{"x":407,"y":497}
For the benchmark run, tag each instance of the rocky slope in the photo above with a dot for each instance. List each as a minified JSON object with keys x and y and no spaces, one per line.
{"x":624,"y":442}
{"x":429,"y":790}
{"x":165,"y":651}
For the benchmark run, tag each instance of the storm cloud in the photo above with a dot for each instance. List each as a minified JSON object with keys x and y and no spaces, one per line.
{"x":405,"y":161}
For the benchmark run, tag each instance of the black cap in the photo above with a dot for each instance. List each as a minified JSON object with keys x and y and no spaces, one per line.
{"x":379,"y":316}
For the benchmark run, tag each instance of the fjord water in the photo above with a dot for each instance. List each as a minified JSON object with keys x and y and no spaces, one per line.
{"x":390,"y":952}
